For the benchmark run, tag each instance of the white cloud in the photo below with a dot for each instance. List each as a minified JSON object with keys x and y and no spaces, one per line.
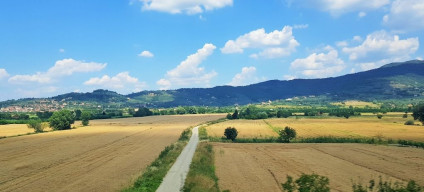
{"x":62,"y":50}
{"x":273,"y":44}
{"x":122,"y":81}
{"x":339,"y":7}
{"x":406,"y":15}
{"x":188,"y":72}
{"x":65,"y":67}
{"x":319,"y":65}
{"x":380,"y":48}
{"x":3,"y":73}
{"x":342,"y":43}
{"x":246,"y":77}
{"x":362,"y":14}
{"x":184,"y":6}
{"x":164,"y":84}
{"x":146,"y":54}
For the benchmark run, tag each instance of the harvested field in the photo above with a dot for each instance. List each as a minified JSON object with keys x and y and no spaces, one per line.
{"x":14,"y":129}
{"x":389,"y":127}
{"x":263,"y":167}
{"x":245,"y":128}
{"x":106,"y":156}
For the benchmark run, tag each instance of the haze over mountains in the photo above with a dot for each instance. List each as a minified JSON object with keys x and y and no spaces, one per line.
{"x":392,"y":81}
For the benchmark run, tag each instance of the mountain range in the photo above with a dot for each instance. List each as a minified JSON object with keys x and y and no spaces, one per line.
{"x":392,"y":81}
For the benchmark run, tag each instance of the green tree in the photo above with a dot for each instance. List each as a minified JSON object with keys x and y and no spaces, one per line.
{"x":61,"y":120}
{"x":191,"y":110}
{"x":287,"y":134}
{"x":85,"y":117}
{"x":418,"y":113}
{"x":235,"y":115}
{"x":78,"y":114}
{"x":231,"y":133}
{"x":181,"y":111}
{"x":36,"y":125}
{"x":142,"y":112}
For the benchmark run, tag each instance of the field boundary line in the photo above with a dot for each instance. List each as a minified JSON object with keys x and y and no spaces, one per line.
{"x":275,"y":129}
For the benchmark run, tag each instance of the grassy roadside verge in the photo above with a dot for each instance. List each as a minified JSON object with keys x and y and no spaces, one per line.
{"x":201,"y":176}
{"x":156,"y":171}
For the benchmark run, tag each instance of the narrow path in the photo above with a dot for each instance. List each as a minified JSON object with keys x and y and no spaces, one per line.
{"x":175,"y":178}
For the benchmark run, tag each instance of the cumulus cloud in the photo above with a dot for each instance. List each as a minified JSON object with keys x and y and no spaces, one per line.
{"x":188,"y":72}
{"x":405,"y":15}
{"x":246,"y":77}
{"x":122,"y":81}
{"x":380,"y":48}
{"x":186,"y":6}
{"x":319,"y":65}
{"x":65,"y":67}
{"x":3,"y":73}
{"x":274,"y":44}
{"x":146,"y":54}
{"x":339,"y":7}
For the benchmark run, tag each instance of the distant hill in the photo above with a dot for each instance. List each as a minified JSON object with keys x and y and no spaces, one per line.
{"x":392,"y":81}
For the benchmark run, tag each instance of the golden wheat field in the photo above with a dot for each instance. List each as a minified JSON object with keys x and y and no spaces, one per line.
{"x":263,"y":167}
{"x":390,"y":126}
{"x":106,"y":156}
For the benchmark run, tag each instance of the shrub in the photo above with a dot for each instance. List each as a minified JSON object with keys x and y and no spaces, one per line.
{"x":36,"y":125}
{"x":405,"y":115}
{"x":307,"y":183}
{"x":388,"y":186}
{"x":287,"y":134}
{"x":231,"y":133}
{"x":229,"y":116}
{"x":61,"y":120}
{"x":409,"y":122}
{"x":418,"y":113}
{"x":85,"y":117}
{"x":379,"y":116}
{"x":142,"y":112}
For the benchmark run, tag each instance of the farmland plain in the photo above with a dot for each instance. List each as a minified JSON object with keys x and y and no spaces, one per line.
{"x":390,"y":126}
{"x":108,"y":155}
{"x":263,"y":167}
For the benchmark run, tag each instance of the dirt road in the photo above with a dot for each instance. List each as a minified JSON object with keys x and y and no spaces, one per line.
{"x":263,"y":167}
{"x":174,"y":179}
{"x":106,"y":156}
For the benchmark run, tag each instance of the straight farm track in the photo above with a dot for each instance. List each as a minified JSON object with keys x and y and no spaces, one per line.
{"x":108,"y":155}
{"x":263,"y":167}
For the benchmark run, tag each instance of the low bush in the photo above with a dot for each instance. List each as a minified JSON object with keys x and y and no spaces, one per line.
{"x":387,"y":186}
{"x":307,"y":183}
{"x":36,"y":125}
{"x":409,"y":122}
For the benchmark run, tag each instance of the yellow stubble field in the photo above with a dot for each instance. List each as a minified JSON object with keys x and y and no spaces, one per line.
{"x":390,"y":126}
{"x":108,"y":155}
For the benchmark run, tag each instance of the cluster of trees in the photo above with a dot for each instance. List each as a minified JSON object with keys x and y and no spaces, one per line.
{"x":253,"y":112}
{"x":60,"y":120}
{"x":14,"y":116}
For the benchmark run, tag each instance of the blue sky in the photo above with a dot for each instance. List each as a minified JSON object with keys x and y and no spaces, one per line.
{"x":53,"y":47}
